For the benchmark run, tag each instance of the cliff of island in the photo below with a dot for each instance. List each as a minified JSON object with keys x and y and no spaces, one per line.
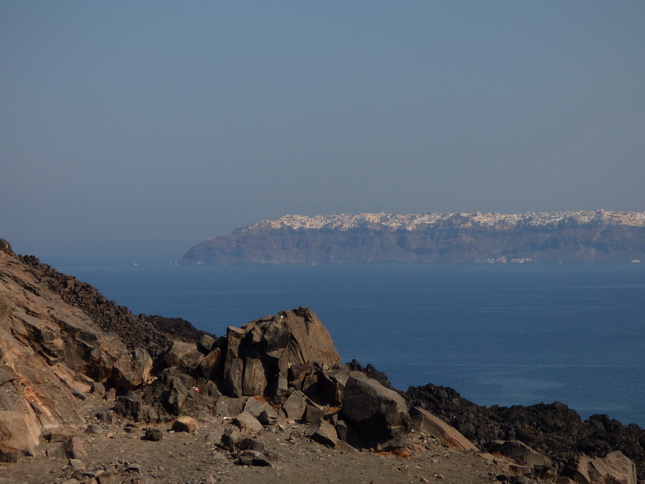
{"x":90,"y":392}
{"x":596,"y":236}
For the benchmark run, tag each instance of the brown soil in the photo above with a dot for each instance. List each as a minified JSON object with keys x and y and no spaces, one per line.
{"x":117,"y":453}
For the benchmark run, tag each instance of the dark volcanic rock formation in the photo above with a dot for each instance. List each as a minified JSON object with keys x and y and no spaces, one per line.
{"x":458,"y":237}
{"x":260,"y":354}
{"x":149,"y":332}
{"x":554,"y":429}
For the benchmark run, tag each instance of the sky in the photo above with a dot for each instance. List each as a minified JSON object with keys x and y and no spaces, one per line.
{"x":140,"y":128}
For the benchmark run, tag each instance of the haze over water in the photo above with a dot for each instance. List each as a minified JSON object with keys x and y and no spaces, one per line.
{"x":498,"y":334}
{"x":133,"y":128}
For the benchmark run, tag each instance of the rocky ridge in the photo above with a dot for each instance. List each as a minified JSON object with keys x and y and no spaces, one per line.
{"x":77,"y":389}
{"x":583,"y":236}
{"x":553,"y":429}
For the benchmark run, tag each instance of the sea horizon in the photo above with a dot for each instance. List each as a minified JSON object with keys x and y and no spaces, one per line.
{"x":499,"y":334}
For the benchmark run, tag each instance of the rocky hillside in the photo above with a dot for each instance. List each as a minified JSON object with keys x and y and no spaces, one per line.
{"x":83,"y":380}
{"x":554,"y":429}
{"x":435,"y":237}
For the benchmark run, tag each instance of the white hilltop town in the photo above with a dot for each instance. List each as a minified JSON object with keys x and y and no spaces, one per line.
{"x":426,"y":220}
{"x":566,"y":236}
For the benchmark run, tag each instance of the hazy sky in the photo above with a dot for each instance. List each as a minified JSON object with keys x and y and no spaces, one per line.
{"x":141,"y":127}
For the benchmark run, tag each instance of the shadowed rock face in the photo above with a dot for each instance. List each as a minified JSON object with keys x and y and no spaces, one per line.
{"x":260,"y":354}
{"x":45,"y":354}
{"x":378,"y":414}
{"x":152,"y":333}
{"x":55,"y":346}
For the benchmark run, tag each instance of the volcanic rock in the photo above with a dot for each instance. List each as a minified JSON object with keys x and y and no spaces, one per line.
{"x":537,"y":465}
{"x":60,"y":338}
{"x":257,"y":407}
{"x":75,"y":448}
{"x":294,"y":407}
{"x":183,"y":355}
{"x":247,"y":422}
{"x":130,"y":406}
{"x":551,"y":429}
{"x":229,"y":407}
{"x":424,"y":421}
{"x":615,"y":467}
{"x":259,"y":355}
{"x":231,"y":438}
{"x":132,"y":370}
{"x":323,"y":432}
{"x":253,"y":458}
{"x":250,"y":444}
{"x":17,"y":436}
{"x":185,"y":424}
{"x":379,"y":415}
{"x":153,"y":435}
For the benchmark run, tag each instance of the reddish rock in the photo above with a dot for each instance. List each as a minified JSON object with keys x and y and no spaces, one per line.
{"x":614,"y":468}
{"x":185,"y":424}
{"x":17,"y":436}
{"x":424,"y":421}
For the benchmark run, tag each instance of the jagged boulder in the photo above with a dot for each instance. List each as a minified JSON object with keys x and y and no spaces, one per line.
{"x":424,"y":421}
{"x":257,"y":407}
{"x":614,"y":468}
{"x":229,"y":407}
{"x":130,"y":406}
{"x":377,"y":414}
{"x":5,"y":246}
{"x":331,"y":384}
{"x":210,"y":364}
{"x":247,"y":422}
{"x":294,"y":407}
{"x":323,"y":432}
{"x":183,"y":355}
{"x":17,"y":435}
{"x":530,"y":462}
{"x":259,"y":355}
{"x":132,"y":370}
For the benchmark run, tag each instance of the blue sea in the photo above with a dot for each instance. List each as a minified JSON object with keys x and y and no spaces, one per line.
{"x":499,"y":334}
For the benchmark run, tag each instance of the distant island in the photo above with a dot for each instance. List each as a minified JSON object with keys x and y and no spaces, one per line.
{"x":580,"y":236}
